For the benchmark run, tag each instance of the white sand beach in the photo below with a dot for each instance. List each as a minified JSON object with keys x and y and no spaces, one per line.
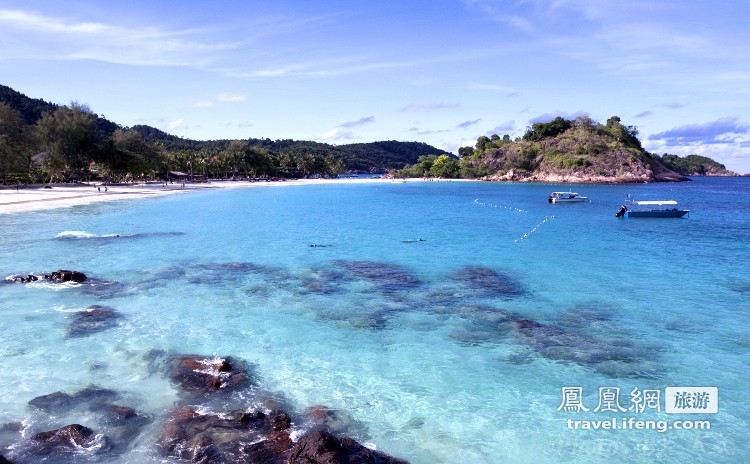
{"x":65,"y":195}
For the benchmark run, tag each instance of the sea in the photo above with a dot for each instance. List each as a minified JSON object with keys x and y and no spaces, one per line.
{"x":443,"y":322}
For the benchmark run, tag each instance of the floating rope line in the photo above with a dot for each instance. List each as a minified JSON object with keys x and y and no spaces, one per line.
{"x":491,"y":205}
{"x":528,"y":234}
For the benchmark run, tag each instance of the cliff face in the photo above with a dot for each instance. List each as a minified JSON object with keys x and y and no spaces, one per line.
{"x":579,"y":151}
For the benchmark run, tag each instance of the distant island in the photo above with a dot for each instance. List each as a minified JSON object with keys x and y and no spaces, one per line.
{"x":45,"y":142}
{"x":563,"y":150}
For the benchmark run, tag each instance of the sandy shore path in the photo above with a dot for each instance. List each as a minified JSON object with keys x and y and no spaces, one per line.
{"x":61,"y":196}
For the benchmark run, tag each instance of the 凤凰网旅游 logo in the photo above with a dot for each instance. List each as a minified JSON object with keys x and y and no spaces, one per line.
{"x":672,"y":400}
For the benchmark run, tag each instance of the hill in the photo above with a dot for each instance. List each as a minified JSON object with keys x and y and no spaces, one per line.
{"x":562,"y":150}
{"x":363,"y":157}
{"x":358,"y":157}
{"x":695,"y":165}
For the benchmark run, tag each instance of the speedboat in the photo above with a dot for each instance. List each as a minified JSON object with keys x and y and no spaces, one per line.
{"x":651,"y":209}
{"x":565,"y":197}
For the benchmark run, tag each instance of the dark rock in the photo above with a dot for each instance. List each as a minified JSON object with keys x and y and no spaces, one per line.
{"x":205,"y":374}
{"x":94,"y":319}
{"x":71,"y":436}
{"x":323,"y":448}
{"x":489,"y":282}
{"x":59,"y":402}
{"x":3,"y":460}
{"x":56,"y":401}
{"x":64,"y":275}
{"x":236,"y":437}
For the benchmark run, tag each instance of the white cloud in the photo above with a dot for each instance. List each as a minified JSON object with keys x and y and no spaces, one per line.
{"x":338,"y":134}
{"x":46,"y":37}
{"x":176,"y":124}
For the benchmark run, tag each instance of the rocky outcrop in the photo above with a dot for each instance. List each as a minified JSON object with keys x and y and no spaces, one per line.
{"x":235,"y":437}
{"x":197,"y":375}
{"x":74,"y":436}
{"x":63,"y":275}
{"x":323,"y":448}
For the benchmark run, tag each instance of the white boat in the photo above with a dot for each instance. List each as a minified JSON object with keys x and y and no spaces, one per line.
{"x":565,"y":197}
{"x":651,"y":209}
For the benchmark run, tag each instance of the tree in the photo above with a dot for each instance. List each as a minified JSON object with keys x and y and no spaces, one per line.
{"x":334,"y":166}
{"x":484,"y":143}
{"x":465,"y":152}
{"x":14,"y":145}
{"x":543,"y":130}
{"x":444,"y":166}
{"x":424,"y":164}
{"x":70,"y":133}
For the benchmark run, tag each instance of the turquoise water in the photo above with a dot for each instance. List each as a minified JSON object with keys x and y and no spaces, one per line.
{"x":389,"y":320}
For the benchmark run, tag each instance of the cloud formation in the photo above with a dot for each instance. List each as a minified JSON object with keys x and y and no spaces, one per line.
{"x":467,"y":124}
{"x":724,"y":130}
{"x":358,"y":122}
{"x":338,"y":134}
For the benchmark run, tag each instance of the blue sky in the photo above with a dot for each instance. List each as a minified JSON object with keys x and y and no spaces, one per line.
{"x":441,"y":72}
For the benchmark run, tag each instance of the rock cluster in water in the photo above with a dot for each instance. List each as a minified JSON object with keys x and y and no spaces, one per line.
{"x":63,"y":275}
{"x":207,"y":425}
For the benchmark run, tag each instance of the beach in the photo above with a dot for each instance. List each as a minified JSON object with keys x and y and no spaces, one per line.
{"x":66,"y":195}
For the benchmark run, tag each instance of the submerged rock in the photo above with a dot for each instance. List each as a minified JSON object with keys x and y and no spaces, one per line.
{"x":3,"y":460}
{"x":323,"y":448}
{"x":602,"y":354}
{"x":387,"y":278}
{"x":95,"y":319}
{"x":60,"y":402}
{"x":488,"y":282}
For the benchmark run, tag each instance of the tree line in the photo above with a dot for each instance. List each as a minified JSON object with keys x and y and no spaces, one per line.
{"x":44,"y":142}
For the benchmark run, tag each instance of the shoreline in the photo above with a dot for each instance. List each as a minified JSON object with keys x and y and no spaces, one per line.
{"x":36,"y":198}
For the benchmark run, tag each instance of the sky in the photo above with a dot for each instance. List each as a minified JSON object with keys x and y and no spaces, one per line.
{"x":443,"y":72}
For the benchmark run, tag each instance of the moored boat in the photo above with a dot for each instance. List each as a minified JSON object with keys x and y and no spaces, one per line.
{"x":651,"y":209}
{"x":565,"y":197}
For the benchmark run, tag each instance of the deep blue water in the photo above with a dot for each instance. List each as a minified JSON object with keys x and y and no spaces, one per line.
{"x":406,"y":318}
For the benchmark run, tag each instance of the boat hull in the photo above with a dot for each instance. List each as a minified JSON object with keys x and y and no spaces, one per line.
{"x":673,"y":213}
{"x":567,"y":200}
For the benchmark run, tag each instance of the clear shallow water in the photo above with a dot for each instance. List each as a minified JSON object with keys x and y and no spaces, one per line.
{"x":387,"y":328}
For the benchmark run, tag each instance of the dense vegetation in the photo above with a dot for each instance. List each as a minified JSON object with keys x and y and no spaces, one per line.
{"x":41,"y":141}
{"x":692,"y":165}
{"x":559,"y":150}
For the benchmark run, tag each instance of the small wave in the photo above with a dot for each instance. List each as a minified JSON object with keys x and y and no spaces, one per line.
{"x":83,"y":235}
{"x":63,"y":309}
{"x":75,"y":234}
{"x":56,"y":286}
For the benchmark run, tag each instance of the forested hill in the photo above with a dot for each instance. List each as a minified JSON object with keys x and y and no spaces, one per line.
{"x":695,"y":165}
{"x":374,"y":157}
{"x":579,"y":150}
